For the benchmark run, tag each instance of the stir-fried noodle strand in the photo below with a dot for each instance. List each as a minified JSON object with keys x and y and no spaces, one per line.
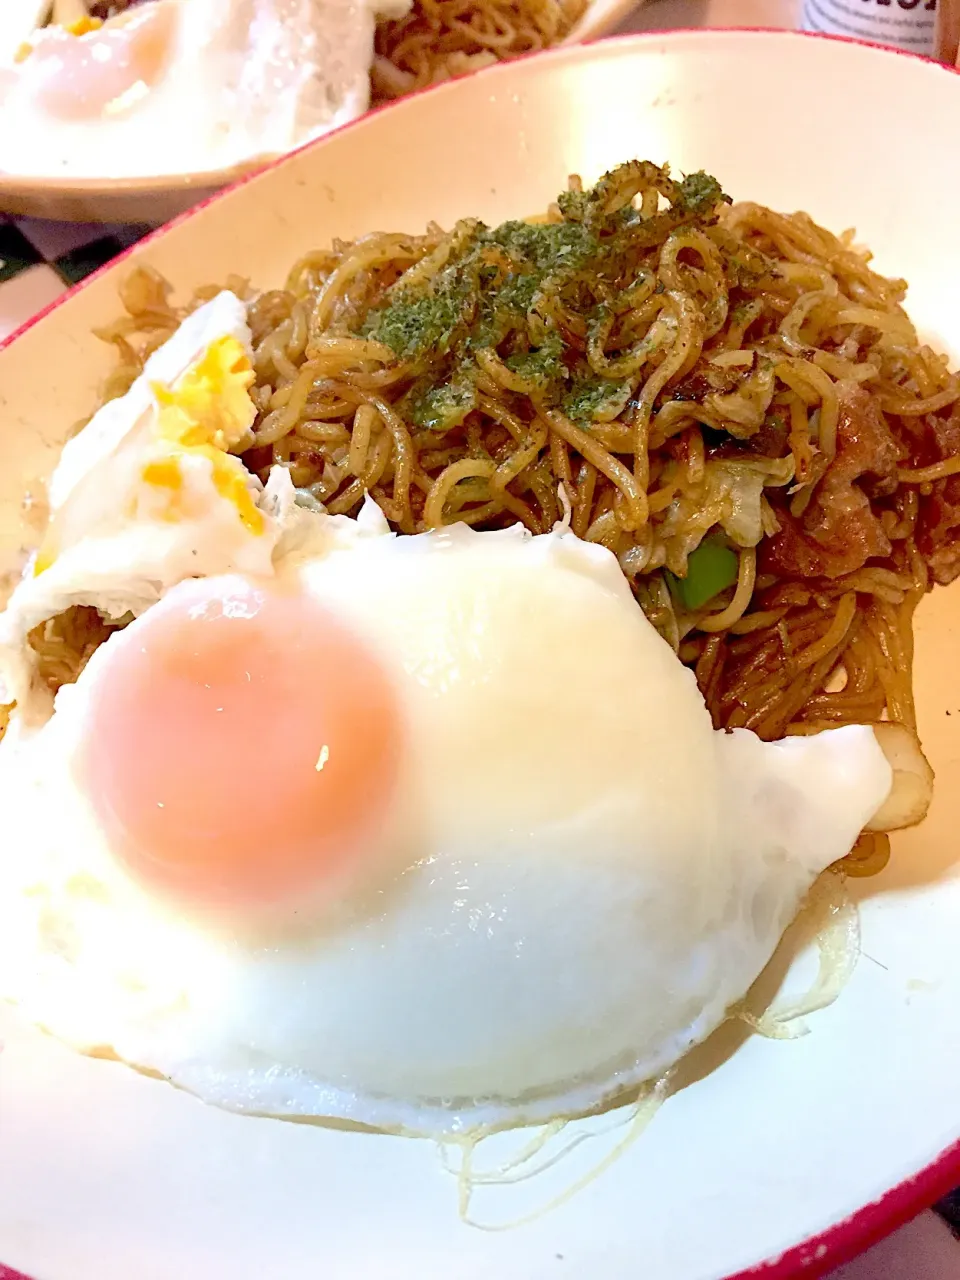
{"x":727,"y":398}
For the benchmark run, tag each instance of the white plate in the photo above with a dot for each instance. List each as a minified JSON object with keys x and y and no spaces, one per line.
{"x":106,"y":1174}
{"x":153,"y":200}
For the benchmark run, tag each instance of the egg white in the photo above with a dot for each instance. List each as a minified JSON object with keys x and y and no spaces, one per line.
{"x":20,"y":19}
{"x":115,"y":547}
{"x":242,"y":79}
{"x":578,"y":879}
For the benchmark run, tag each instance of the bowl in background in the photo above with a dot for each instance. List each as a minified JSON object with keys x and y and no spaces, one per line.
{"x":154,"y":200}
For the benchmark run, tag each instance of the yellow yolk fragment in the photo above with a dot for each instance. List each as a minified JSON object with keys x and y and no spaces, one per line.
{"x":211,"y":403}
{"x":45,"y":558}
{"x":83,"y":26}
{"x":205,"y":414}
{"x":165,"y":473}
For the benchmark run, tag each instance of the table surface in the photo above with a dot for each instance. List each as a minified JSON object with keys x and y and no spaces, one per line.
{"x":40,"y":260}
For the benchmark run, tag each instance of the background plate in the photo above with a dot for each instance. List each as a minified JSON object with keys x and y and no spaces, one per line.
{"x":154,"y":199}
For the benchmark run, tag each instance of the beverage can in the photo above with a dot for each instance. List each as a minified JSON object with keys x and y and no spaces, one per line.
{"x":903,"y":24}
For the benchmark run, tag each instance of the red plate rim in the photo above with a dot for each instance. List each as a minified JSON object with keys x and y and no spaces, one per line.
{"x":843,"y":1240}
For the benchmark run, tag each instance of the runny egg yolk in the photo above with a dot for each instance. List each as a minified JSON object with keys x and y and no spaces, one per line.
{"x":243,"y":749}
{"x":93,"y":70}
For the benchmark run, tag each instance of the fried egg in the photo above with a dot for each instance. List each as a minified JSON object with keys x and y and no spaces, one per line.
{"x":425,"y":832}
{"x":180,"y":86}
{"x":148,"y":492}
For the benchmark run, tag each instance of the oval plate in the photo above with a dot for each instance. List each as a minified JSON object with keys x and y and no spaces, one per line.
{"x":767,"y":1158}
{"x":155,"y":199}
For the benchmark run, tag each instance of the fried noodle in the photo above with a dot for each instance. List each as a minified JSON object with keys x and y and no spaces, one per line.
{"x":673,"y":370}
{"x":441,"y":39}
